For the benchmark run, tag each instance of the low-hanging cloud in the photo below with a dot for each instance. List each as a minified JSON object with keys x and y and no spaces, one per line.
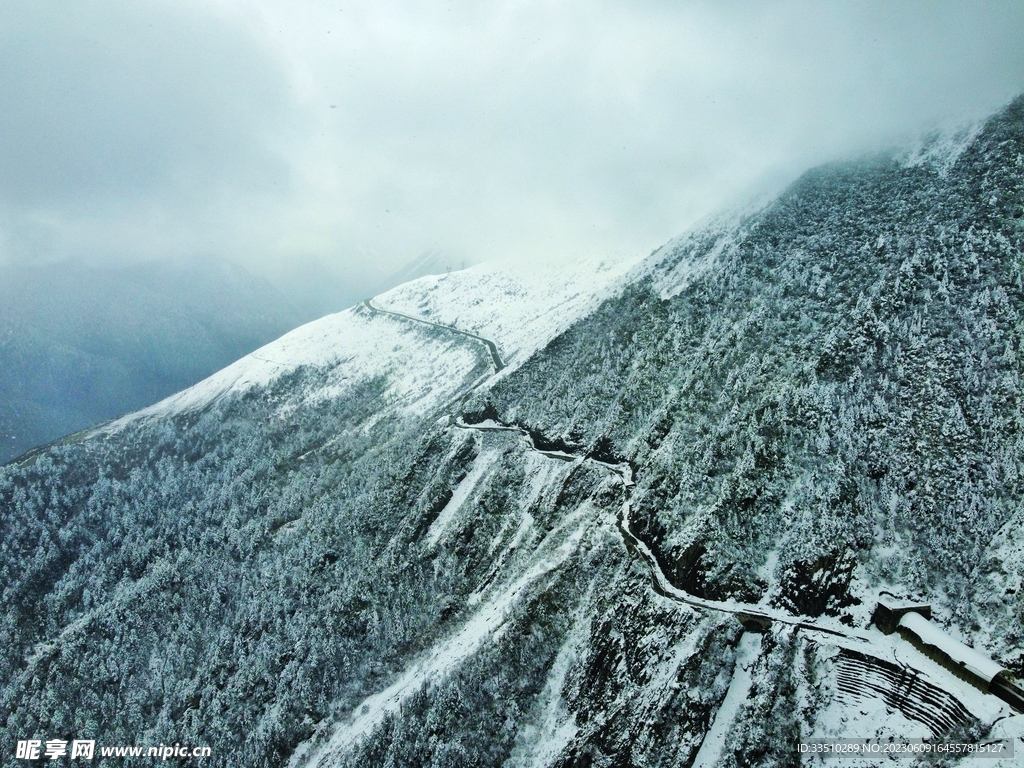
{"x":364,"y":133}
{"x":122,"y":122}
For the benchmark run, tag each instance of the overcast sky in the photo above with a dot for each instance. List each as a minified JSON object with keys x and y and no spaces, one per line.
{"x":273,"y":131}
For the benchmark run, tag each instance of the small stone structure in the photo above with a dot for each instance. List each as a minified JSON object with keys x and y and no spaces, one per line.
{"x":890,"y":610}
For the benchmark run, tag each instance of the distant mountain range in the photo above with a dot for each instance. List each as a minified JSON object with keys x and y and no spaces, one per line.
{"x":79,"y":344}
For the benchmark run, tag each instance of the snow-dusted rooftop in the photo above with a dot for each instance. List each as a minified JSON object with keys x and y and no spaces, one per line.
{"x":968,"y":658}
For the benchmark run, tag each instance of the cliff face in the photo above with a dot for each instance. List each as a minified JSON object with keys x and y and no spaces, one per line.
{"x":363,"y":544}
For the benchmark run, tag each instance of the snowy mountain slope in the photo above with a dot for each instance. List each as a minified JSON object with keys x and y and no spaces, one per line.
{"x":941,"y":700}
{"x":840,"y":367}
{"x":422,"y":368}
{"x":654,"y":539}
{"x":520,"y":307}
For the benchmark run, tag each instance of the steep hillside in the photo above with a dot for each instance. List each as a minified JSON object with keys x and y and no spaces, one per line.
{"x":823,"y":399}
{"x":653,"y":535}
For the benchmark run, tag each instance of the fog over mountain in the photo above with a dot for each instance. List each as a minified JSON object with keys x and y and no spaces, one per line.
{"x":356,"y":135}
{"x":83,"y":344}
{"x":758,"y":488}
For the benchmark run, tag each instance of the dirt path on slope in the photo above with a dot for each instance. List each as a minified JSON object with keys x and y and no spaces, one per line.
{"x":491,"y":346}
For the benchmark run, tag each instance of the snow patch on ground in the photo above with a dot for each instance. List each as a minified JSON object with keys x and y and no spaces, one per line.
{"x":1008,"y":728}
{"x":691,"y":265}
{"x":461,"y":495}
{"x":441,"y":660}
{"x":526,"y":521}
{"x":747,"y":653}
{"x":543,"y":474}
{"x":540,"y":745}
{"x":942,"y":149}
{"x":518,"y":307}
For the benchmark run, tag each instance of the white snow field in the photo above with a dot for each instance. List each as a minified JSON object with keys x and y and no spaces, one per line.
{"x":520,"y":307}
{"x":423,"y":368}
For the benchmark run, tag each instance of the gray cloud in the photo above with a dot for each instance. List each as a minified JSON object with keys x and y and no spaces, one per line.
{"x":363,"y":134}
{"x":122,"y":102}
{"x":128,"y":119}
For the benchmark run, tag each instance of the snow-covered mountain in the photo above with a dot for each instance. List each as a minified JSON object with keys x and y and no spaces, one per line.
{"x":612,"y":514}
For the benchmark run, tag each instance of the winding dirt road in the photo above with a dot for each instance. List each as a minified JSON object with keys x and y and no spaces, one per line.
{"x":491,"y":346}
